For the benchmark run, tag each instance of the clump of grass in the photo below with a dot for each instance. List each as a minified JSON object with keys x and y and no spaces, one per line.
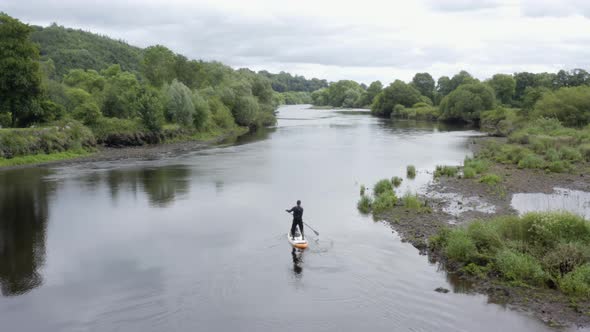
{"x":478,"y":165}
{"x":43,"y":158}
{"x":520,"y":268}
{"x":531,"y":161}
{"x":559,"y":166}
{"x":450,"y":171}
{"x":537,"y":249}
{"x":382,"y":186}
{"x":585,"y":151}
{"x":570,"y":154}
{"x":412,"y":201}
{"x":396,"y":181}
{"x":365,"y":204}
{"x":384,"y":201}
{"x":469,"y":172}
{"x":363,"y":189}
{"x":577,"y":282}
{"x":411,"y":171}
{"x":491,"y":179}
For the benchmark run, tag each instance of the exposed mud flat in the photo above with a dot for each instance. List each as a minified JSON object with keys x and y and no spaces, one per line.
{"x":455,"y":201}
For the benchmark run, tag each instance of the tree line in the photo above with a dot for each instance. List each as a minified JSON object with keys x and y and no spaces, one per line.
{"x":564,"y":95}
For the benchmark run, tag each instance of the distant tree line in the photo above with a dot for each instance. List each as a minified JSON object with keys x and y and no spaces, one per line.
{"x":285,"y":82}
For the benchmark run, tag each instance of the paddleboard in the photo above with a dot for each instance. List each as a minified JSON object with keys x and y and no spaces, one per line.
{"x":297,"y":242}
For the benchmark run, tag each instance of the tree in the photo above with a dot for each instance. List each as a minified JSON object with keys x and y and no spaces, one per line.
{"x":320,"y":97}
{"x":20,"y":76}
{"x":504,"y":87}
{"x":150,"y":109}
{"x":369,"y":95}
{"x":571,"y":106}
{"x":202,"y":112}
{"x":179,"y":105}
{"x":424,"y":83}
{"x":158,"y":65}
{"x":443,"y":86}
{"x":467,"y":102}
{"x":531,"y":96}
{"x":463,"y":77}
{"x":337,"y":92}
{"x":397,"y":93}
{"x":89,"y":80}
{"x":121,"y":95}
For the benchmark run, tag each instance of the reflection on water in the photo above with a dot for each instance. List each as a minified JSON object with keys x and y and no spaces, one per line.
{"x":297,"y":256}
{"x":574,"y":201}
{"x":24,"y":210}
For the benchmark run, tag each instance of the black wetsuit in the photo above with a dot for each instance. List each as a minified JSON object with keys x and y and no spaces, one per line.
{"x":297,"y":219}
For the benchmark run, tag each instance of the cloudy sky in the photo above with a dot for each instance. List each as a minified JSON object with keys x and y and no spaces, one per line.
{"x":361,"y":40}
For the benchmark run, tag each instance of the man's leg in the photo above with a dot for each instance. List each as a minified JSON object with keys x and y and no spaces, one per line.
{"x":301,"y":228}
{"x":293,"y":225}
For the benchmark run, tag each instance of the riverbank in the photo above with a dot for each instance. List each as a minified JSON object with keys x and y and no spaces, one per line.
{"x":455,"y":201}
{"x":174,"y":146}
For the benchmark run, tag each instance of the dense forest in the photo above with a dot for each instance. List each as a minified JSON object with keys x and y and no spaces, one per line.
{"x":106,"y":88}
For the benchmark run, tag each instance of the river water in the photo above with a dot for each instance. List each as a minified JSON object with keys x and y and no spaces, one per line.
{"x":197,"y":242}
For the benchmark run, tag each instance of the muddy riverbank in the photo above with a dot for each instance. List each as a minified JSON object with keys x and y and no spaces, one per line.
{"x":454,"y":201}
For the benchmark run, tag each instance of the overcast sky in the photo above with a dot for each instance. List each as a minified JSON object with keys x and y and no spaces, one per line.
{"x":360,"y":40}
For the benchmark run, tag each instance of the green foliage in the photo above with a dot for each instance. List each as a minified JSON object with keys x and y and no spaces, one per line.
{"x":450,"y":171}
{"x":150,"y":109}
{"x":418,"y":111}
{"x":384,"y":201}
{"x":570,"y":154}
{"x":491,"y":179}
{"x":221,"y":115}
{"x":89,"y":80}
{"x":382,"y":186}
{"x":43,"y":158}
{"x":363,"y":189}
{"x":285,"y":82}
{"x":321,"y":97}
{"x":412,"y":201}
{"x":179,"y":104}
{"x":20,"y":76}
{"x":344,"y":93}
{"x":369,"y":95}
{"x":521,"y":268}
{"x":478,"y":165}
{"x":577,"y":282}
{"x":565,"y":258}
{"x":104,"y":127}
{"x":121,"y":95}
{"x":500,"y":121}
{"x":87,"y":112}
{"x":396,"y":181}
{"x":397,"y":93}
{"x":411,"y":171}
{"x":297,"y":97}
{"x":467,"y":102}
{"x":424,"y":83}
{"x":469,"y":172}
{"x":364,"y":204}
{"x":158,"y":65}
{"x":570,"y":105}
{"x":531,"y":161}
{"x":60,"y":137}
{"x":504,"y":87}
{"x":584,"y":151}
{"x":76,"y":49}
{"x":459,"y":246}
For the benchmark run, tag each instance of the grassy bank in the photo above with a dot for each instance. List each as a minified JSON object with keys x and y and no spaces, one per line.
{"x":544,"y":250}
{"x":43,"y":158}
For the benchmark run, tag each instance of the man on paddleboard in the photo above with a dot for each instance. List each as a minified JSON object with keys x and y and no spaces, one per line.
{"x":297,"y":219}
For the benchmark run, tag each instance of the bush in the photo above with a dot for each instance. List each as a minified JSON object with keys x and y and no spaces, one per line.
{"x":105,"y":127}
{"x":411,"y":171}
{"x":412,"y":201}
{"x":469,"y":173}
{"x":396,"y":181}
{"x":559,"y":166}
{"x":577,"y":282}
{"x":531,"y":161}
{"x":364,"y":204}
{"x":384,"y":201}
{"x":552,"y":155}
{"x":490,"y":179}
{"x":565,"y":258}
{"x":478,"y":165}
{"x":449,"y":171}
{"x":363,"y":189}
{"x":570,"y":154}
{"x":485,"y":236}
{"x":459,"y":246}
{"x":382,"y":186}
{"x":520,"y":268}
{"x":585,"y":151}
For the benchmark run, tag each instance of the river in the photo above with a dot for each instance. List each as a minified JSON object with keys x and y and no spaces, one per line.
{"x":197,"y":242}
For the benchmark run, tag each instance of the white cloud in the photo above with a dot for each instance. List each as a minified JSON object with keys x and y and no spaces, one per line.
{"x":364,"y":41}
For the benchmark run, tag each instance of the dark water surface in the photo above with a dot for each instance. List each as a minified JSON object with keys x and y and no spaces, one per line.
{"x":196,"y":242}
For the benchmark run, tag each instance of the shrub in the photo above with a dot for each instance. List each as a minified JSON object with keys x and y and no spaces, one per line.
{"x":382,"y":186}
{"x":577,"y":282}
{"x":565,"y":258}
{"x":469,"y":172}
{"x":559,"y":166}
{"x":384,"y":201}
{"x":585,"y":151}
{"x":396,"y":181}
{"x":571,"y":154}
{"x":459,"y":246}
{"x":531,"y":161}
{"x":412,"y":201}
{"x":440,"y":239}
{"x":411,"y":171}
{"x":364,"y":204}
{"x":552,"y":155}
{"x":520,"y":268}
{"x":105,"y":127}
{"x":478,"y":165}
{"x":484,"y":236}
{"x":363,"y":189}
{"x":446,"y":171}
{"x":490,"y":179}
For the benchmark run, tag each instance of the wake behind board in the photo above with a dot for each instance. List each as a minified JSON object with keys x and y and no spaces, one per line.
{"x":298,"y":242}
